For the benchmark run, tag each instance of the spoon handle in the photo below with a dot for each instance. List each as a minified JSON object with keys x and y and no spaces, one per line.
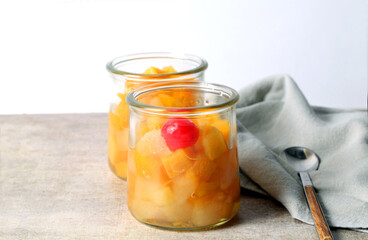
{"x":317,"y":213}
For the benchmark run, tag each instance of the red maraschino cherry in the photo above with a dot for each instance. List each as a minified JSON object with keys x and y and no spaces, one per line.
{"x":179,"y":133}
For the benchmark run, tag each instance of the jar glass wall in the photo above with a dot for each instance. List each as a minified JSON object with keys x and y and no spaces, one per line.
{"x":183,"y":170}
{"x":131,"y":71}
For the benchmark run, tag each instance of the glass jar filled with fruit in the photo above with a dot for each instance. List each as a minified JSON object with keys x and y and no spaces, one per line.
{"x":131,"y":71}
{"x":183,"y":170}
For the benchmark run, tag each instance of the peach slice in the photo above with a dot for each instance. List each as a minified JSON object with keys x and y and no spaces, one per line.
{"x":147,"y":167}
{"x":176,"y":163}
{"x":168,"y":69}
{"x":214,"y":144}
{"x":203,"y":169}
{"x":155,"y":70}
{"x":152,"y":70}
{"x":167,"y":100}
{"x":115,"y":121}
{"x":206,"y":188}
{"x":122,"y":139}
{"x":224,"y":127}
{"x":122,"y":112}
{"x":121,"y":168}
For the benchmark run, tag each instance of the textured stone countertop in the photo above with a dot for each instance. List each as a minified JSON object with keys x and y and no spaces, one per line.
{"x":55,"y":183}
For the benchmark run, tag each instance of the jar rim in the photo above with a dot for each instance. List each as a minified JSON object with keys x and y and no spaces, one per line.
{"x":111,"y":65}
{"x":233,"y":97}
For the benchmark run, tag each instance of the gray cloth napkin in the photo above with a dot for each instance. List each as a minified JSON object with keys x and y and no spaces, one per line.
{"x":272,"y":115}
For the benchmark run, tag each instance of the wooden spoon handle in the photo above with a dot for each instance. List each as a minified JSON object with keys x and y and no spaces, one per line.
{"x":319,"y":218}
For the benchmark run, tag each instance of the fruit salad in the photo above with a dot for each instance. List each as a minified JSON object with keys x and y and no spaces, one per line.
{"x":118,"y":126}
{"x":183,"y":171}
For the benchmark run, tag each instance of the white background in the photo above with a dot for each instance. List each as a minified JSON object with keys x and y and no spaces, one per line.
{"x":53,"y":53}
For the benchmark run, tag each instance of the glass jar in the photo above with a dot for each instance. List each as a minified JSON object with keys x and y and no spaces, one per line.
{"x":131,"y":71}
{"x":183,"y":171}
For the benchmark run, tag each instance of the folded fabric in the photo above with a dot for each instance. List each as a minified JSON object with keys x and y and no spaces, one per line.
{"x":272,"y":115}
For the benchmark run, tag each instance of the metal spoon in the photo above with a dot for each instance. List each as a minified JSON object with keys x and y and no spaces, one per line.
{"x":304,"y":160}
